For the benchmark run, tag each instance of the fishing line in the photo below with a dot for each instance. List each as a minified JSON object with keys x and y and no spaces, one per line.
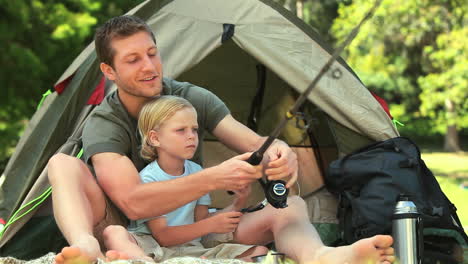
{"x":275,"y":191}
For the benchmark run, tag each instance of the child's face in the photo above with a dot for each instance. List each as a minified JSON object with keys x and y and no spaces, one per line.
{"x":177,"y":137}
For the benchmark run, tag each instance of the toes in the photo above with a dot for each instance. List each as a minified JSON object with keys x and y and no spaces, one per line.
{"x":70,"y":252}
{"x":382,"y":241}
{"x":389,"y":251}
{"x":388,"y":258}
{"x":112,"y":255}
{"x":59,"y":259}
{"x":386,"y":255}
{"x":386,"y":251}
{"x":72,"y":255}
{"x":124,"y":256}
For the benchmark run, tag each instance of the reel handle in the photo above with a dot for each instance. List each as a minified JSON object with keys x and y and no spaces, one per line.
{"x":276,"y":192}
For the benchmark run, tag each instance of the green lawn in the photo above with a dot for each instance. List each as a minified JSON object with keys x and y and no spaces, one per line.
{"x":451,"y":170}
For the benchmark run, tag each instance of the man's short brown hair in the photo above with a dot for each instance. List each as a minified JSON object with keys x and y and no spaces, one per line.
{"x":117,"y":27}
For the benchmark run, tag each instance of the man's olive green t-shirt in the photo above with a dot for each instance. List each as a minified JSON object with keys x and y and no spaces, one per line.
{"x":111,"y":129}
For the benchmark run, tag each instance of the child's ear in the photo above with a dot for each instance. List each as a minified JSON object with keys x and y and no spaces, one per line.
{"x":153,"y":138}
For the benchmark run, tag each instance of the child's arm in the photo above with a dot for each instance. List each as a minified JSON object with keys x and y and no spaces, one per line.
{"x":201,"y":212}
{"x":239,"y":202}
{"x":168,"y":236}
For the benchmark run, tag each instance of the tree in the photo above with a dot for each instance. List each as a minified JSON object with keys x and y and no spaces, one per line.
{"x":319,"y":14}
{"x":407,"y":50}
{"x":445,"y":88}
{"x":39,"y":39}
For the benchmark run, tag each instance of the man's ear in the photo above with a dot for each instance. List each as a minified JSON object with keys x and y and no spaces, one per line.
{"x":153,"y":138}
{"x":107,"y":70}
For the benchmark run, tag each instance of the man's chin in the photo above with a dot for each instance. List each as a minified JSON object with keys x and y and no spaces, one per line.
{"x":155,"y":92}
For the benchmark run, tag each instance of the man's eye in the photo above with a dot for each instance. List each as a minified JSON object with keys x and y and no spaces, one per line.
{"x":195,"y":129}
{"x":132,"y":61}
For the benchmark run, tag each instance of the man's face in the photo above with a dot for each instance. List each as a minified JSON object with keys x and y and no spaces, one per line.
{"x":137,"y":70}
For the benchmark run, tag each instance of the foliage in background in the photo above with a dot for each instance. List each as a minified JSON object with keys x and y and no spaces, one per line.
{"x":414,"y":124}
{"x":413,"y":53}
{"x":319,"y":14}
{"x":447,"y":80}
{"x":40,"y":38}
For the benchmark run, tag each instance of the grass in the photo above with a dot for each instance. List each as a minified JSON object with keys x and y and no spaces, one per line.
{"x":451,"y":171}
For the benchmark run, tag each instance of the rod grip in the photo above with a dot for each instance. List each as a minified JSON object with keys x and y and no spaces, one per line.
{"x":254,"y":160}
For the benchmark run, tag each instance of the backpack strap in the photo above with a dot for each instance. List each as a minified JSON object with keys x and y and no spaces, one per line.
{"x":452,"y":207}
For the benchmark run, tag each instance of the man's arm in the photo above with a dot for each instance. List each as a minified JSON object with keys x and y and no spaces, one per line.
{"x":281,"y":161}
{"x":119,"y":179}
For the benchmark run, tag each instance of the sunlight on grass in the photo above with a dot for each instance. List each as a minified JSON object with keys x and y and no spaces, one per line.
{"x":451,"y":171}
{"x":447,"y":164}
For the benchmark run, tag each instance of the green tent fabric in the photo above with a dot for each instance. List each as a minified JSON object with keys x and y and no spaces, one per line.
{"x":240,"y":50}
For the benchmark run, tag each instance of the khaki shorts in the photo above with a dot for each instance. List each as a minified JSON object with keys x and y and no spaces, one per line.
{"x":113,"y":216}
{"x":221,"y":250}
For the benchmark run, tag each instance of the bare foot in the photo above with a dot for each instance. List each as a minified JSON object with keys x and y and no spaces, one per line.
{"x":252,"y":252}
{"x":72,"y":255}
{"x":376,"y":249}
{"x":87,"y":250}
{"x":112,"y":255}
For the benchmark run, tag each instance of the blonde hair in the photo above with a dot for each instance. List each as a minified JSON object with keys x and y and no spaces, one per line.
{"x":152,"y":116}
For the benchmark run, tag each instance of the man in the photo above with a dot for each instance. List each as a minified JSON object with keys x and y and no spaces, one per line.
{"x":127,"y":50}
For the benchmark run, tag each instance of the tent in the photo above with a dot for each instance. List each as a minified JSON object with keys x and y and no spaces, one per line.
{"x":255,"y":55}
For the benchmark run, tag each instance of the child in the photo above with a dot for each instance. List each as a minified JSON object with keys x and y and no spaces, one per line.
{"x":168,"y":128}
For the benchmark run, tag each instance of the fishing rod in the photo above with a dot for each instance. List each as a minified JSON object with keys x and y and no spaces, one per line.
{"x":275,"y":191}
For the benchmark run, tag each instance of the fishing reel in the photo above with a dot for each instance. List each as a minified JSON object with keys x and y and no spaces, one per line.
{"x":276,"y":194}
{"x":275,"y":191}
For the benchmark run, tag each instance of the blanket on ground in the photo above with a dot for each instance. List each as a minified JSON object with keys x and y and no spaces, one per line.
{"x":49,"y":259}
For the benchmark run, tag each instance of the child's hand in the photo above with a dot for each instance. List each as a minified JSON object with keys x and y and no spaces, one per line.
{"x":224,"y":222}
{"x":241,"y":198}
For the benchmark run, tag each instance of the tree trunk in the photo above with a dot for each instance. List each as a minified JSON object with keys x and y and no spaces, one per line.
{"x":300,"y":9}
{"x":452,"y":143}
{"x":290,"y":5}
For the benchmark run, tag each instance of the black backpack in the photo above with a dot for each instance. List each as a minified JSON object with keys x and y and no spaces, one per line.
{"x":368,"y":182}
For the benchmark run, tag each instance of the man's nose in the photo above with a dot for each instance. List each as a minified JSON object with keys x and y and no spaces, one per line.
{"x":148,"y":63}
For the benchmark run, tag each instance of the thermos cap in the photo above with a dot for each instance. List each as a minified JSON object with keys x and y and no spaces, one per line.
{"x":405,"y":207}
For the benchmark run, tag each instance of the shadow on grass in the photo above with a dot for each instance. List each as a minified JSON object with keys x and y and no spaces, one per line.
{"x":435,"y":143}
{"x":459,"y":176}
{"x":453,"y":179}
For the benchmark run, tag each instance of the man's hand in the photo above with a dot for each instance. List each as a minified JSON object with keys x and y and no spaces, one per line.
{"x":234,"y":174}
{"x":224,"y":222}
{"x":282,"y":162}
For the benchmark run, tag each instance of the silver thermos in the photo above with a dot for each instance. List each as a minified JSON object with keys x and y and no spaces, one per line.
{"x":407,"y":232}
